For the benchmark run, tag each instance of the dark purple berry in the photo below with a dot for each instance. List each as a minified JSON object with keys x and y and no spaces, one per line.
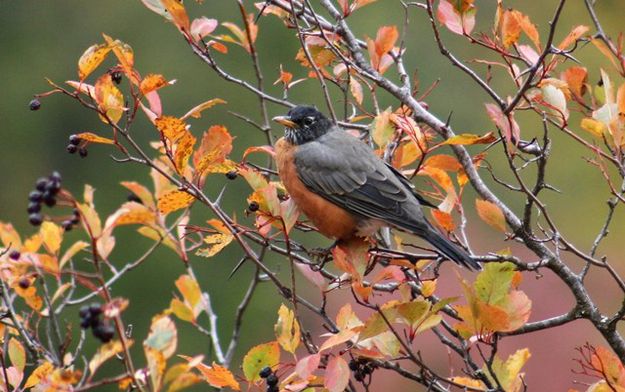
{"x":265,"y":372}
{"x":35,"y":219}
{"x":231,"y":175}
{"x":116,"y":77}
{"x":67,"y":225}
{"x":56,"y":176}
{"x":135,"y":198}
{"x":24,"y":283}
{"x":359,"y":376}
{"x":353,"y":365}
{"x":84,"y":312}
{"x":272,"y":388}
{"x":74,"y":140}
{"x":49,"y":199}
{"x":95,"y":309}
{"x":41,"y":184}
{"x":253,"y":207}
{"x":54,"y":186}
{"x":85,"y":323}
{"x":35,"y":104}
{"x":83,"y":152}
{"x":104,"y":332}
{"x":14,"y":255}
{"x":35,"y":196}
{"x":71,"y":148}
{"x":75,"y":220}
{"x":272,"y":380}
{"x":33,"y":207}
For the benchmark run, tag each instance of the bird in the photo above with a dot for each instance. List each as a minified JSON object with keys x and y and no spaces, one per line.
{"x":345,"y":189}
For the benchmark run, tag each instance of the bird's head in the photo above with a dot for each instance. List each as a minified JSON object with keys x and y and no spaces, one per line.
{"x":304,"y":124}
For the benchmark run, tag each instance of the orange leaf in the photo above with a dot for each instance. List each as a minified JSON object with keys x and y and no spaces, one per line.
{"x":576,"y":79}
{"x":491,"y":214}
{"x":109,"y":99}
{"x":93,"y":138}
{"x":385,"y":39}
{"x":172,"y":128}
{"x":125,"y":56}
{"x":215,"y":146}
{"x":184,"y":149}
{"x":152,"y":82}
{"x":135,"y":213}
{"x":266,"y":149}
{"x":510,"y":28}
{"x":456,"y":21}
{"x":573,"y":36}
{"x":196,"y":112}
{"x":468,"y":139}
{"x":219,"y":376}
{"x":528,"y":28}
{"x":142,"y":192}
{"x":444,"y":220}
{"x":174,"y":200}
{"x":91,"y":59}
{"x":178,"y":14}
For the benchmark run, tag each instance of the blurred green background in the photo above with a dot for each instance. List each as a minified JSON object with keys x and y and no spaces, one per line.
{"x":41,"y":39}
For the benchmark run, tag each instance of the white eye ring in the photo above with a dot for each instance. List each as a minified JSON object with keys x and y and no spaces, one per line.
{"x":309,"y":120}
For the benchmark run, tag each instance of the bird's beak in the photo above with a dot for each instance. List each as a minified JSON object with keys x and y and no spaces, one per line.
{"x":285,"y":120}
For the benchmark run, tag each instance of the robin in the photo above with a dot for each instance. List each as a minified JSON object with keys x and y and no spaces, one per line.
{"x":345,"y":189}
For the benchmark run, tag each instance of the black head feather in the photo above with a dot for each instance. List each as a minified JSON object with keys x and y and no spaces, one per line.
{"x":306,"y":124}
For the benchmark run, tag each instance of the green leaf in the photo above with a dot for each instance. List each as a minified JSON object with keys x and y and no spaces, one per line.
{"x":267,"y":354}
{"x":493,"y":284}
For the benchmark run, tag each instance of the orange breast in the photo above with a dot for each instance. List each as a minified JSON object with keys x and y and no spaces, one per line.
{"x":330,"y":219}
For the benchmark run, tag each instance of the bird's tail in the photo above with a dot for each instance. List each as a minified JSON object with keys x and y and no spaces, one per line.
{"x":452,"y":251}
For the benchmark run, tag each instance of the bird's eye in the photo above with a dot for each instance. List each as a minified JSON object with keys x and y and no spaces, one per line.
{"x":309,"y":121}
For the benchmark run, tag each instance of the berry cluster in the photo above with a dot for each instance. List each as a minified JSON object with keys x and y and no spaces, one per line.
{"x":35,"y":104}
{"x":90,"y":317}
{"x":46,"y":191}
{"x":76,"y":144}
{"x":271,"y":379}
{"x":361,"y":368}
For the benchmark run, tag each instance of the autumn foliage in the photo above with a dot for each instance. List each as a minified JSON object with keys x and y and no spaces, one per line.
{"x":388,"y":284}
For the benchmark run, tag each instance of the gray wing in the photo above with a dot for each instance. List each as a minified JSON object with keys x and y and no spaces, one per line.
{"x":343,"y":170}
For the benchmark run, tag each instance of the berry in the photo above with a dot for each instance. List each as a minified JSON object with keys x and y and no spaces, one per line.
{"x":33,"y":207}
{"x":49,"y":199}
{"x":253,"y":207}
{"x":83,"y":152}
{"x":231,"y":175}
{"x":14,"y":255}
{"x":67,"y":225}
{"x":116,"y":77}
{"x":359,"y":376}
{"x":56,"y":176}
{"x":85,"y":323}
{"x":95,"y":309}
{"x":24,"y":283}
{"x":35,"y":219}
{"x":272,"y":388}
{"x":272,"y":380}
{"x":353,"y":365}
{"x":104,"y":332}
{"x":84,"y":312}
{"x":35,"y":104}
{"x":75,"y":220}
{"x":53,"y":186}
{"x":265,"y":372}
{"x":35,"y":196}
{"x":74,"y":140}
{"x":133,"y":197}
{"x":41,"y":184}
{"x":71,"y":148}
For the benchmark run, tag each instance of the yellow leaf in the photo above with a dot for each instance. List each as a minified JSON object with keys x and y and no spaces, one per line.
{"x":219,"y":376}
{"x":52,"y":235}
{"x":596,"y":128}
{"x":156,"y":366}
{"x":39,"y":374}
{"x":216,"y":242}
{"x":491,"y":214}
{"x":9,"y":236}
{"x":428,"y":287}
{"x":196,"y":112}
{"x":93,"y":138}
{"x":171,"y":127}
{"x":178,"y":14}
{"x":142,"y":192}
{"x":383,"y":129}
{"x":163,"y":336}
{"x":174,"y":200}
{"x":106,"y":352}
{"x":181,"y":310}
{"x":267,"y":354}
{"x":191,"y":292}
{"x":134,"y":213}
{"x":184,"y":149}
{"x":91,"y":59}
{"x":17,"y":354}
{"x":469,"y":382}
{"x":287,"y":329}
{"x":109,"y":99}
{"x":468,"y":139}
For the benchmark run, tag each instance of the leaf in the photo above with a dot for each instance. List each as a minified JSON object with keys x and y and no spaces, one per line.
{"x":443,"y":220}
{"x":596,"y":128}
{"x":576,"y":79}
{"x":91,"y":59}
{"x":385,"y":39}
{"x":573,"y":36}
{"x":106,"y":352}
{"x":267,"y":354}
{"x":203,"y":26}
{"x":219,"y":376}
{"x":191,"y":293}
{"x":338,"y":338}
{"x":215,"y":146}
{"x":174,"y":200}
{"x":267,"y":149}
{"x":507,"y":124}
{"x":383,"y":129}
{"x":556,"y":100}
{"x":109,"y":99}
{"x":196,"y":112}
{"x":125,"y":56}
{"x":216,"y":241}
{"x":152,"y":82}
{"x":469,"y":382}
{"x":184,"y":149}
{"x":468,"y":139}
{"x":41,"y":372}
{"x":141,"y":192}
{"x":171,"y":128}
{"x":610,"y":366}
{"x":307,"y":365}
{"x":287,"y":330}
{"x":493,"y":283}
{"x":163,"y":336}
{"x":17,"y":354}
{"x":356,"y":89}
{"x":454,"y":20}
{"x":93,"y":138}
{"x":178,"y":14}
{"x":491,"y":214}
{"x":52,"y":236}
{"x":336,"y":376}
{"x":156,"y":364}
{"x":510,"y":28}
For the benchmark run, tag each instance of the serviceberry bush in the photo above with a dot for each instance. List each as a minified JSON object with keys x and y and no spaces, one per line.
{"x":489,"y":188}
